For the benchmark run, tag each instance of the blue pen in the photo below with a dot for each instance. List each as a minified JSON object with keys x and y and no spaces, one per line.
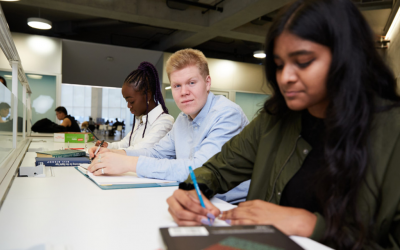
{"x":196,"y":186}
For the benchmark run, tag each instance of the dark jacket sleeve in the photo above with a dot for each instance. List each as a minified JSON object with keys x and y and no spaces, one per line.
{"x":234,"y":164}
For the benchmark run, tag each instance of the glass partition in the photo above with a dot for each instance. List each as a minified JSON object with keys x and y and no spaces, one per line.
{"x":20,"y":120}
{"x":5,"y":122}
{"x":250,"y":103}
{"x":43,"y":95}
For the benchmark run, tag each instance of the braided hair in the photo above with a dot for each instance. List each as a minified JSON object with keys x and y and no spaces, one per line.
{"x":145,"y":78}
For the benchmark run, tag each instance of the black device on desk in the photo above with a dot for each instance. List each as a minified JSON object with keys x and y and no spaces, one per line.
{"x":247,"y":237}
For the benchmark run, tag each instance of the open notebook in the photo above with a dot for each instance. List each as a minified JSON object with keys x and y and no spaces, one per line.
{"x":127,"y":180}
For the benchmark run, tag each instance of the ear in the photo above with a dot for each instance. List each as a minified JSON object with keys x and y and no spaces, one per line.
{"x":149,"y":95}
{"x":208,"y":83}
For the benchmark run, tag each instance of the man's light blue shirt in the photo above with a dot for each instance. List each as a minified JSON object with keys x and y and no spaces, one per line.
{"x":193,"y":142}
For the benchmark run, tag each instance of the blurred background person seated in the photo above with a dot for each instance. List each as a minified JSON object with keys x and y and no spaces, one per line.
{"x":4,"y":112}
{"x":3,"y":81}
{"x":68,"y":121}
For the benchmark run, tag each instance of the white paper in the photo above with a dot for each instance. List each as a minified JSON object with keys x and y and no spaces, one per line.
{"x":187,"y":231}
{"x":222,"y":205}
{"x":127,"y":178}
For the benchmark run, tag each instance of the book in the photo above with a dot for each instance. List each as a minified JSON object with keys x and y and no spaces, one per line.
{"x":127,"y":180}
{"x":62,"y":162}
{"x":61,"y":153}
{"x":246,"y":237}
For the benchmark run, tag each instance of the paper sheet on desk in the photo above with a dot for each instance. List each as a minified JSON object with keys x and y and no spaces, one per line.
{"x":127,"y":178}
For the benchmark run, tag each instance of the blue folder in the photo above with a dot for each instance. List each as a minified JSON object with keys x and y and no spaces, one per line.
{"x":128,"y":186}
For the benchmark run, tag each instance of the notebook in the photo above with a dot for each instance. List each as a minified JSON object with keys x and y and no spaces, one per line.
{"x":247,"y":237}
{"x":60,"y":153}
{"x":127,"y":180}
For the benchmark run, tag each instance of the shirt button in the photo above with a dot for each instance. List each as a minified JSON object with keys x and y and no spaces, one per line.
{"x":279,"y":193}
{"x":305,"y":151}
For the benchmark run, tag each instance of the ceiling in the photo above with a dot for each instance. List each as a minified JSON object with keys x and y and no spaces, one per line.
{"x":168,"y":25}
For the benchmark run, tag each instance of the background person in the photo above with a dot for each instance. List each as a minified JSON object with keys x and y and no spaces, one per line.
{"x":323,"y":156}
{"x":91,"y":124}
{"x":3,"y":81}
{"x":4,"y":111}
{"x":205,"y":124}
{"x":68,"y":121}
{"x":151,"y":122}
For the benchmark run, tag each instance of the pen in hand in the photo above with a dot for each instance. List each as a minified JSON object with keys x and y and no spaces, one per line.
{"x":196,"y":186}
{"x":97,"y":150}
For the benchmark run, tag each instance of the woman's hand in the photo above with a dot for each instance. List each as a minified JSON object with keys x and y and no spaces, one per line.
{"x":105,"y":144}
{"x":110,"y":163}
{"x":185,"y":209}
{"x":92,"y":150}
{"x":291,"y":221}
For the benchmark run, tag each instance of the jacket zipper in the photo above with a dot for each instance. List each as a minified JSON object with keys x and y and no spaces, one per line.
{"x":276,"y":179}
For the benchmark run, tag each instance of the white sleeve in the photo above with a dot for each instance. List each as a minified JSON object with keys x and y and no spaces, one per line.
{"x":124,"y":143}
{"x":155,"y":133}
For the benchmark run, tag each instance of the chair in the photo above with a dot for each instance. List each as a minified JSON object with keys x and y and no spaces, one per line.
{"x":101,"y":128}
{"x":109,"y":128}
{"x":119,"y":128}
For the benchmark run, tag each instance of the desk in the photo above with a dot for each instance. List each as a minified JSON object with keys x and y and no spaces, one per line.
{"x":69,"y":210}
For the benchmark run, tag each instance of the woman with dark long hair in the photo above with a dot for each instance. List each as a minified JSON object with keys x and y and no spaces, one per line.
{"x":151,"y":122}
{"x":323,"y":155}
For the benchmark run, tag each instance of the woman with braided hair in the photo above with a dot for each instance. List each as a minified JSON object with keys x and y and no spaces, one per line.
{"x":141,"y":90}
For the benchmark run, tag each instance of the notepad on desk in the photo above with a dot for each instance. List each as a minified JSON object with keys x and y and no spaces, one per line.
{"x":125,"y":181}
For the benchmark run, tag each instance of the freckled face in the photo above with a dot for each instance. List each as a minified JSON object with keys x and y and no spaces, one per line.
{"x":190,"y":90}
{"x":302,"y":70}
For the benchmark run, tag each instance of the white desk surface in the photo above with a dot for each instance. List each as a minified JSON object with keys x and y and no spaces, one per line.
{"x":68,"y":211}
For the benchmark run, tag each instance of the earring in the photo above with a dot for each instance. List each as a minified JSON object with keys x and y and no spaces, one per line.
{"x":147,"y":102}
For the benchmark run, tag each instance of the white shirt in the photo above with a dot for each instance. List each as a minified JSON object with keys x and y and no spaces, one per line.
{"x":158,"y":126}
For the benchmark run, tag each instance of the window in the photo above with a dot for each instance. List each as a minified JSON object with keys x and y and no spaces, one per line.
{"x":113,"y":105}
{"x":77,"y":100}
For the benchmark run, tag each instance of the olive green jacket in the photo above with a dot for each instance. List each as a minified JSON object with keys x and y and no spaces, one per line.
{"x":270,"y":152}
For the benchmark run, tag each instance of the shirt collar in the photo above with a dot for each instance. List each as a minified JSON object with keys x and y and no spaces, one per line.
{"x":204,"y":111}
{"x":153,"y":114}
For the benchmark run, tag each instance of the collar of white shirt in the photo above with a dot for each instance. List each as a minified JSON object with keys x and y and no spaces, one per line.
{"x":204,"y":111}
{"x":153,"y":115}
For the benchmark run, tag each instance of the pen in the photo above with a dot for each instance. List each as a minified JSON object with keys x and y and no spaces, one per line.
{"x":97,"y":150}
{"x":196,"y":186}
{"x":93,"y":134}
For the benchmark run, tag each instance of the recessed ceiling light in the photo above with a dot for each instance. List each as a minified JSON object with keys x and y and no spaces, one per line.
{"x":169,"y":87}
{"x":39,"y":23}
{"x":259,"y":54}
{"x":35,"y":76}
{"x":9,"y":0}
{"x":8,"y":76}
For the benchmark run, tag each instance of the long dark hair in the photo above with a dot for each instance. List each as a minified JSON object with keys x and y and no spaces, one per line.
{"x":145,"y":78}
{"x":356,"y":77}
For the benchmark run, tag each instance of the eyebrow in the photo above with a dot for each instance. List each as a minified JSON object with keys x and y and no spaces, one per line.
{"x":297,"y":53}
